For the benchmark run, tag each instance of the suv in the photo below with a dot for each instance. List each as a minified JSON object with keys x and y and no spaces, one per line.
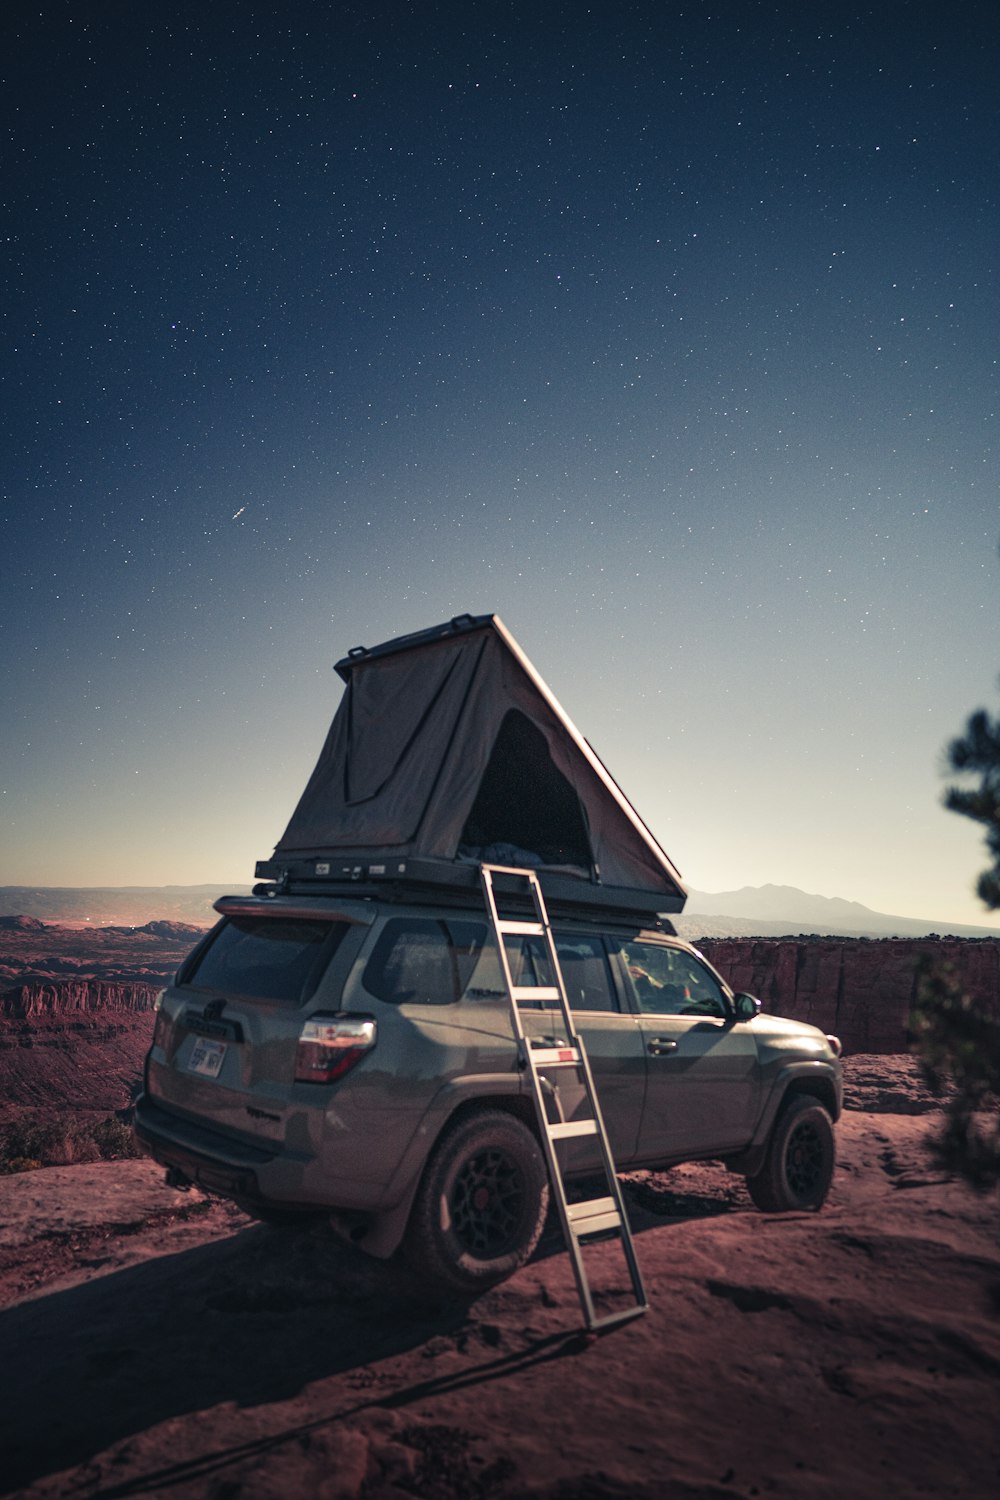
{"x":356,"y":1057}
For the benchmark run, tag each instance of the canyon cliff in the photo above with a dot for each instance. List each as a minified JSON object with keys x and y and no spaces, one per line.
{"x":76,"y":1010}
{"x":861,"y":990}
{"x":76,"y":997}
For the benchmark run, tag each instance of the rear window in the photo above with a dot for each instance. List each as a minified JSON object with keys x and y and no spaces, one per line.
{"x":267,"y":958}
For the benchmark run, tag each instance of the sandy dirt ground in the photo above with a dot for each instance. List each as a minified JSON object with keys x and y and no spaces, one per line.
{"x":156,"y":1343}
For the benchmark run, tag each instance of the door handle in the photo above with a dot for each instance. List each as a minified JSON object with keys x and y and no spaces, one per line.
{"x":659,"y":1046}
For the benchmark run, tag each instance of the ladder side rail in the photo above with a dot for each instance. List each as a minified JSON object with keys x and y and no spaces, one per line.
{"x":505,"y":971}
{"x":575,"y":1040}
{"x":604,"y":1148}
{"x":524,"y":1048}
{"x":549,"y":1134}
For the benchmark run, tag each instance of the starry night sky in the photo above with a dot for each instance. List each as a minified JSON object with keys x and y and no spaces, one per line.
{"x":667,"y":332}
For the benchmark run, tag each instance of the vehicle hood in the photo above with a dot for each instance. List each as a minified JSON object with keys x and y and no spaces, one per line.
{"x":778,"y":1033}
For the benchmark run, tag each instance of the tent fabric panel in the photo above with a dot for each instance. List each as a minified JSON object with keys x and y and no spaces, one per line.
{"x":388,"y":706}
{"x":325,"y":818}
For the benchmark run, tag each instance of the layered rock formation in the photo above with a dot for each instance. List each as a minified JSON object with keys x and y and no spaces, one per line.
{"x":76,"y":1009}
{"x":862,"y":990}
{"x":85,"y":1064}
{"x":75,"y":997}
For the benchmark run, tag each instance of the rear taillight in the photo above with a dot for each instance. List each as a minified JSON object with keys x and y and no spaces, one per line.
{"x":331,"y":1045}
{"x":161,"y":1030}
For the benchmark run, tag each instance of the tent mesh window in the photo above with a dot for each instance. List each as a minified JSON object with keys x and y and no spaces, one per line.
{"x":526,"y":802}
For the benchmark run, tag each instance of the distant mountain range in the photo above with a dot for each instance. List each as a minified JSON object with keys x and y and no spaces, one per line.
{"x":753,"y":911}
{"x":783,"y":910}
{"x":122,"y":906}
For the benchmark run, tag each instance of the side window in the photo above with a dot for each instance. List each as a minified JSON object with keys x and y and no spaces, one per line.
{"x":431,"y":961}
{"x":586,"y":973}
{"x":669,"y":981}
{"x":584,"y":964}
{"x":485,"y":981}
{"x":424,"y":960}
{"x":529,"y":966}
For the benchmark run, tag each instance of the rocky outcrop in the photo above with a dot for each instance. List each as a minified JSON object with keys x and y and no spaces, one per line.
{"x":860,"y":989}
{"x":76,"y":1010}
{"x":178,"y":932}
{"x":74,"y":997}
{"x":91,"y":1061}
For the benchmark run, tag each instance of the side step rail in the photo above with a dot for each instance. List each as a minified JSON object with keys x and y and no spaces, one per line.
{"x":581,"y":1222}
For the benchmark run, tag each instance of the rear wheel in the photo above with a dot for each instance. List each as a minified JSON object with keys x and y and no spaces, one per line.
{"x":801,"y":1154}
{"x":481,"y":1205}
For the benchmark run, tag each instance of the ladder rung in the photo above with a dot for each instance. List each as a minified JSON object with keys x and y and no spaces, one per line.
{"x":548,"y":1057}
{"x":593,"y":1216}
{"x":566,"y":1128}
{"x":546,"y":992}
{"x":521,"y":929}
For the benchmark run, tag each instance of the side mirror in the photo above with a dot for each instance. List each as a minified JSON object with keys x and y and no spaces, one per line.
{"x":746,"y":1007}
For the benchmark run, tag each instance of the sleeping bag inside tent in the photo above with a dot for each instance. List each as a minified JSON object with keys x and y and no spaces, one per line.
{"x":448,"y":749}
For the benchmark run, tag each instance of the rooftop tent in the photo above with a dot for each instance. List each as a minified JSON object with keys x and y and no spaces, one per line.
{"x":447,"y":749}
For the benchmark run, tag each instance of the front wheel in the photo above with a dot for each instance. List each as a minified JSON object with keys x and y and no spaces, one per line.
{"x":801,"y":1154}
{"x":481,"y":1206}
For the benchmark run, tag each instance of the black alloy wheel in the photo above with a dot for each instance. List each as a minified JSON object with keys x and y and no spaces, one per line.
{"x":487,"y":1203}
{"x":481,"y":1204}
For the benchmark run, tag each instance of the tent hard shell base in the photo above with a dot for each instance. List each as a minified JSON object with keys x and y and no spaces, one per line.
{"x":442,"y":882}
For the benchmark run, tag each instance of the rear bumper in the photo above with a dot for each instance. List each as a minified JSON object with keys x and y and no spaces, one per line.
{"x":194,"y":1155}
{"x":205,"y":1158}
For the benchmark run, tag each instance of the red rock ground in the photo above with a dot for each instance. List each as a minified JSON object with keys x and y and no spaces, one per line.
{"x":160,"y":1344}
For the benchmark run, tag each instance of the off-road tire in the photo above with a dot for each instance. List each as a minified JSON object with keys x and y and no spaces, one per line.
{"x":801,"y":1155}
{"x":481,"y":1206}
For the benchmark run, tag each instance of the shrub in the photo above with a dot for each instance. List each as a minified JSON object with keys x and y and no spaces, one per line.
{"x":66,"y":1140}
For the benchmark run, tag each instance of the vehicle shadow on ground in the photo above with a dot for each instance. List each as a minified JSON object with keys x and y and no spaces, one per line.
{"x":251,"y":1319}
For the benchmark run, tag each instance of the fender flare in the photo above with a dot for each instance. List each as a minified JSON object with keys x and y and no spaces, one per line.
{"x":804,"y":1076}
{"x":383,"y":1232}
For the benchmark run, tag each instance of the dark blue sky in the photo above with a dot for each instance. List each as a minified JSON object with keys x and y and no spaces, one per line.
{"x":667,"y":332}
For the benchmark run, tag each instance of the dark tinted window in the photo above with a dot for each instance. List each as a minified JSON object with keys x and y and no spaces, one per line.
{"x":584,"y":965}
{"x":585,"y":972}
{"x":426,"y":960}
{"x":268,"y":958}
{"x":429,"y":961}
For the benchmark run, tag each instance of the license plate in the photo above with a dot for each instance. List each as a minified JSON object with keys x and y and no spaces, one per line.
{"x":207,"y":1057}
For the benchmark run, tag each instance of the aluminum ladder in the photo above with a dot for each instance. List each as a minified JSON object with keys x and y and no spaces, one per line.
{"x":580,"y":1221}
